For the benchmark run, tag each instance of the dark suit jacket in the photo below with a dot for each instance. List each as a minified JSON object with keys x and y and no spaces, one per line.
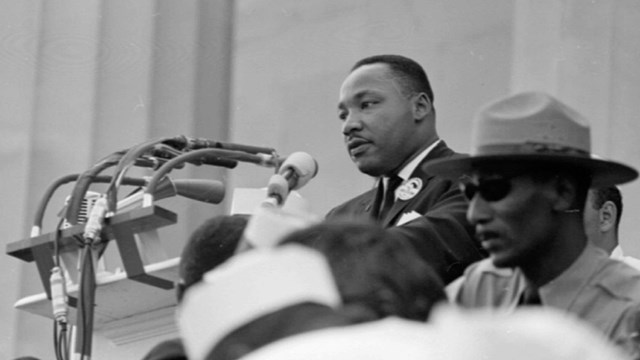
{"x":441,"y":235}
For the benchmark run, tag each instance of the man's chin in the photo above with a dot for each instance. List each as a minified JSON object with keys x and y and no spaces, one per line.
{"x":501,"y":261}
{"x":366,"y":166}
{"x":373,"y":172}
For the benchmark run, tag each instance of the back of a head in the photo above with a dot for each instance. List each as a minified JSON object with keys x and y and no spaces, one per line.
{"x":601,"y":195}
{"x":210,"y":245}
{"x":407,"y":71}
{"x":374,"y":269}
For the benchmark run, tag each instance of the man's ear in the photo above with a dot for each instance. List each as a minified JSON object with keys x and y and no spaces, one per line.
{"x":421,"y":106}
{"x":607,"y":216}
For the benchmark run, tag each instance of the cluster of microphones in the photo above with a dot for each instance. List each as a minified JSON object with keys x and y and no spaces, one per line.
{"x":92,"y":210}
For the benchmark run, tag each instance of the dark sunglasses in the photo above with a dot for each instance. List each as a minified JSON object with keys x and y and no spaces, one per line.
{"x":493,"y":188}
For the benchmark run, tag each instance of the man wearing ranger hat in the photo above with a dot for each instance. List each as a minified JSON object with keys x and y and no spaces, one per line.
{"x":526,"y":181}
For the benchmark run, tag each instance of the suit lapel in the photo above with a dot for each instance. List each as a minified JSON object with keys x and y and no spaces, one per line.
{"x":441,"y":150}
{"x":367,"y":203}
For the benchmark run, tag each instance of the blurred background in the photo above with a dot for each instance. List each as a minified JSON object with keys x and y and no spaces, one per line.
{"x":81,"y":79}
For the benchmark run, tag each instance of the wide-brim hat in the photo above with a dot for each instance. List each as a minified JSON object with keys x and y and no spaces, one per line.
{"x":532,"y":128}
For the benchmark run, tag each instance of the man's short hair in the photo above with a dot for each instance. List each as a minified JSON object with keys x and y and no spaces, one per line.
{"x":409,"y":73}
{"x":374,"y":268}
{"x":601,"y":195}
{"x":211,"y":244}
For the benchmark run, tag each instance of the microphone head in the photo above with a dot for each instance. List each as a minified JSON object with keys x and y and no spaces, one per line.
{"x":302,"y":165}
{"x":278,"y":188}
{"x":209,"y":191}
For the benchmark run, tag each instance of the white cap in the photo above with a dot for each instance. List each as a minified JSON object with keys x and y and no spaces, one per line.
{"x":248,"y":286}
{"x":269,"y":225}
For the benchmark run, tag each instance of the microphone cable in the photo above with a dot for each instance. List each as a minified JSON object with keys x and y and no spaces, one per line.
{"x":61,"y":339}
{"x":124,"y":163}
{"x":36,"y":229}
{"x":227,"y":158}
{"x":59,"y":297}
{"x":87,"y":282}
{"x":84,"y":181}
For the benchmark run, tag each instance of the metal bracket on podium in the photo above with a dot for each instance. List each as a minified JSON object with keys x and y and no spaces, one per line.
{"x":121,"y":227}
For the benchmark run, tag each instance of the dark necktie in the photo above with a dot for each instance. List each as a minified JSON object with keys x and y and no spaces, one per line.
{"x":530,"y":296}
{"x":389,"y":196}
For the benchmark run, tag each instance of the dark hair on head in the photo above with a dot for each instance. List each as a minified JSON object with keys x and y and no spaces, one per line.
{"x":211,"y":244}
{"x":409,"y":73}
{"x":374,"y":269}
{"x":600,"y":195}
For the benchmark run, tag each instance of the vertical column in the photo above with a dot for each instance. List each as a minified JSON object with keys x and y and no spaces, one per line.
{"x":189,"y":92}
{"x":61,"y":122}
{"x":564,"y":48}
{"x":21,"y":23}
{"x":211,"y":112}
{"x":93,"y":77}
{"x":624,"y":128}
{"x":584,"y":53}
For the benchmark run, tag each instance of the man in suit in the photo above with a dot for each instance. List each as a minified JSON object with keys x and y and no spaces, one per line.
{"x":386,"y":106}
{"x":527,"y":180}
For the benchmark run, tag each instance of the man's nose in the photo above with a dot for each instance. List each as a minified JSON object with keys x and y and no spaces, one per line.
{"x":479,"y":210}
{"x":352,"y":122}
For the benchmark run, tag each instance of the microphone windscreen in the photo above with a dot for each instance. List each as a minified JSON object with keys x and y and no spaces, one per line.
{"x":303,"y":165}
{"x":209,"y":191}
{"x":278,"y":187}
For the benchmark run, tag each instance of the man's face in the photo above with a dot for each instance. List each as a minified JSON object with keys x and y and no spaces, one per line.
{"x":378,"y":120}
{"x":517,"y":228}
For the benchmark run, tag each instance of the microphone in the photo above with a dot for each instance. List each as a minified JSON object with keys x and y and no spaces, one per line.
{"x":209,"y":191}
{"x":189,"y":143}
{"x":295,"y":172}
{"x":298,"y":168}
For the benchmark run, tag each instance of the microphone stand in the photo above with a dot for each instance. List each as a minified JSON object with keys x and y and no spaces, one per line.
{"x":163,"y":155}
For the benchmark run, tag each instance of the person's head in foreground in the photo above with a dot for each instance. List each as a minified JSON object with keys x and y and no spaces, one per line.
{"x":211,"y":244}
{"x":326,"y":276}
{"x":377,"y":274}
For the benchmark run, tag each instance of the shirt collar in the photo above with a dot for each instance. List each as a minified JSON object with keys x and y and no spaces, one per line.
{"x":617,"y":253}
{"x":408,"y":169}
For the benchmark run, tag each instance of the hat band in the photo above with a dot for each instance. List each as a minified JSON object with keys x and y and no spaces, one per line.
{"x":530,"y":148}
